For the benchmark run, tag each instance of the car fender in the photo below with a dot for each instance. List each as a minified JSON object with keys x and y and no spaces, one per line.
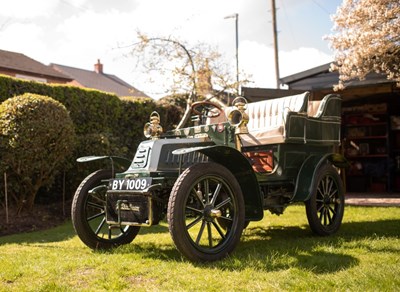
{"x":121,"y":161}
{"x":240,"y":167}
{"x":308,"y":170}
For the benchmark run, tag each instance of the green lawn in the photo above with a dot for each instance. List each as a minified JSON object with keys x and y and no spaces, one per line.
{"x":277,"y":253}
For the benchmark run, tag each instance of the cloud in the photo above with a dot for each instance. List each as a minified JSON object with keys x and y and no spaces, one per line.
{"x":75,"y":3}
{"x":91,"y":29}
{"x":89,"y":35}
{"x":192,"y":20}
{"x":301,"y":59}
{"x":78,"y":32}
{"x":23,"y":38}
{"x":259,"y":60}
{"x":22,"y":9}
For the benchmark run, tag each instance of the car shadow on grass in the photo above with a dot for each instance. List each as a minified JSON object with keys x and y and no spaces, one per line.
{"x":277,"y":247}
{"x":271,"y":248}
{"x":261,"y":249}
{"x":280,"y":248}
{"x":283,"y":247}
{"x":151,"y":250}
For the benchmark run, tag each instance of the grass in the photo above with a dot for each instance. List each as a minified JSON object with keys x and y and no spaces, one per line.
{"x":277,"y":253}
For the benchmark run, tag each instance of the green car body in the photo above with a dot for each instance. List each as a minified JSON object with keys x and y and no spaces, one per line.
{"x":272,"y":172}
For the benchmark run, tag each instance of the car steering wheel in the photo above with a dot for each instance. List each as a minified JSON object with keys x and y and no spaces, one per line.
{"x":206,"y":109}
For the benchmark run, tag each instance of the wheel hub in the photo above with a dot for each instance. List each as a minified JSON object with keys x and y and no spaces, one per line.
{"x":210,"y":213}
{"x":327,"y":200}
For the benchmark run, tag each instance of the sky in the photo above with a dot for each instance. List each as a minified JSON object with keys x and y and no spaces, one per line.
{"x":77,"y":33}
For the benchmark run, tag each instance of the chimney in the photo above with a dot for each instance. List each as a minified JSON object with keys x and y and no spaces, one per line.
{"x":98,"y":68}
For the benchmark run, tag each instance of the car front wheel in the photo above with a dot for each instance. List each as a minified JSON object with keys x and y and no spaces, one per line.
{"x":206,"y":212}
{"x":89,"y":215}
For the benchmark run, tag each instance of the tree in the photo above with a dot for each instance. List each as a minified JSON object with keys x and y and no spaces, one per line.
{"x":36,"y":136}
{"x":367,"y":39}
{"x":193,"y":70}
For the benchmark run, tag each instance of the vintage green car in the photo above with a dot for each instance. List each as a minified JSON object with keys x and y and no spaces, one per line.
{"x":210,"y":180}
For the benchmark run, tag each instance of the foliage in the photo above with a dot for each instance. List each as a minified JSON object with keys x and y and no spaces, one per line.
{"x":367,"y":39}
{"x":278,"y":253}
{"x":186,"y":68}
{"x":178,"y":100}
{"x":37,"y":135}
{"x":171,"y":109}
{"x":131,"y":122}
{"x":104,"y":125}
{"x":197,"y":71}
{"x":92,"y":111}
{"x":95,"y":116}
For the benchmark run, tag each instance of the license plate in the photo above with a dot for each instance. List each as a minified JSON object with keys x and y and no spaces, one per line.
{"x":130,"y":184}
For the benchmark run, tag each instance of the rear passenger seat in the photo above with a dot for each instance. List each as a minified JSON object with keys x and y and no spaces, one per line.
{"x":268,"y":119}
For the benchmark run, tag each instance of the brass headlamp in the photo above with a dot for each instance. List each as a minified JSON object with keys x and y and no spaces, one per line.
{"x":153,"y":128}
{"x":238,"y":117}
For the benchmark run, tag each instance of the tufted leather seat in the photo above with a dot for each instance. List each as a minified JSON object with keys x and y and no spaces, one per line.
{"x":269,"y":119}
{"x":291,"y":119}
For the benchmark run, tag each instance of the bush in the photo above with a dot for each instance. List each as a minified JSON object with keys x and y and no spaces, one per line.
{"x":104,"y":124}
{"x":36,"y":137}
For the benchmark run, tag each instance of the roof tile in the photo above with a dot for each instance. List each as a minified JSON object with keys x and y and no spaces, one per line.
{"x":20,"y":62}
{"x":104,"y":82}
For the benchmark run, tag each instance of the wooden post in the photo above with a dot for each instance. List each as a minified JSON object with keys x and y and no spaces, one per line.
{"x":6,"y":195}
{"x":275,"y":34}
{"x":63,"y":194}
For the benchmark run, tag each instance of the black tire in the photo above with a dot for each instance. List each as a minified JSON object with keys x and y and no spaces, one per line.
{"x":325,"y":208}
{"x":195,"y":213}
{"x":88,"y":215}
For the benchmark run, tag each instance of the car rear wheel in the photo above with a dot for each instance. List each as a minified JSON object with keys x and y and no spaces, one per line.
{"x":325,"y":208}
{"x":206,"y":212}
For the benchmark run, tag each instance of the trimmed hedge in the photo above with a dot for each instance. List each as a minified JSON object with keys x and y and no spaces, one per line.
{"x":104,"y":124}
{"x":36,"y":137}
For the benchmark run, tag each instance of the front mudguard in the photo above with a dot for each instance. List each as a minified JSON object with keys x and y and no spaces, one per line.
{"x":240,"y":167}
{"x":114,"y":161}
{"x":308,"y":171}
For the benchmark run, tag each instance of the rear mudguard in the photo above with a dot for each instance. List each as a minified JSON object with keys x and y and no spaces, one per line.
{"x":308,"y":171}
{"x":233,"y":160}
{"x":114,"y":160}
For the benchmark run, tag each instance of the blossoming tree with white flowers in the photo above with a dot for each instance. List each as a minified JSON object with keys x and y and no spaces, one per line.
{"x":366,"y":39}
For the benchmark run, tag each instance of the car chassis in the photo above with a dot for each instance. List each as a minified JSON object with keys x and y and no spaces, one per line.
{"x":210,"y":180}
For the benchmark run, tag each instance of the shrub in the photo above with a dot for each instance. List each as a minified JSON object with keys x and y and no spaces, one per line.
{"x":104,"y":125}
{"x":36,"y":137}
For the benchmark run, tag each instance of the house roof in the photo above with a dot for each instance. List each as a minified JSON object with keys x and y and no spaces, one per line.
{"x":321,"y":77}
{"x":258,"y":94}
{"x":99,"y":80}
{"x":305,"y":74}
{"x":22,"y":64}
